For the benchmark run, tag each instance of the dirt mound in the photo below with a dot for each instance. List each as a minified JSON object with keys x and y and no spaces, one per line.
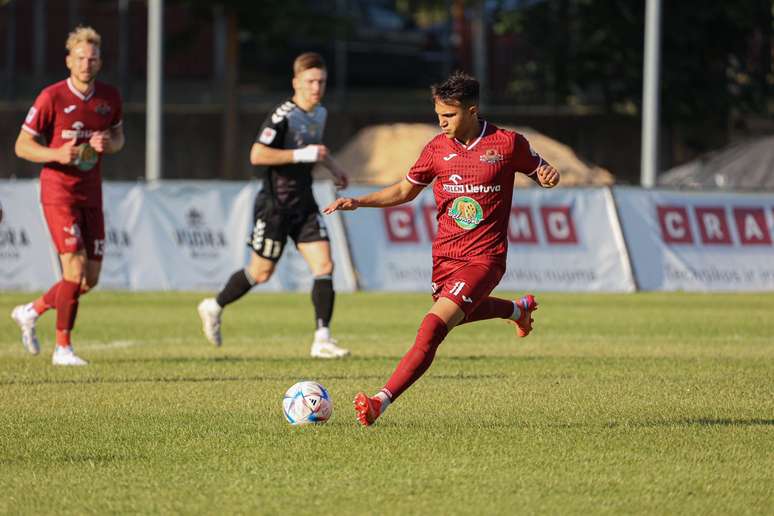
{"x":382,"y":154}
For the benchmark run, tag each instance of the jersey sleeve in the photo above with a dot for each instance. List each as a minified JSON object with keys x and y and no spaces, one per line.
{"x":525,"y":159}
{"x":40,"y":118}
{"x":272,"y":131}
{"x":422,"y":172}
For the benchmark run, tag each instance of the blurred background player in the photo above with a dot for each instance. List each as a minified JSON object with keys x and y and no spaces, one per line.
{"x":473,"y":164}
{"x":68,"y":128}
{"x":286,"y":149}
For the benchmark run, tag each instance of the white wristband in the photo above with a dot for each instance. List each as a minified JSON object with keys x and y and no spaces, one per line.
{"x":306,"y":154}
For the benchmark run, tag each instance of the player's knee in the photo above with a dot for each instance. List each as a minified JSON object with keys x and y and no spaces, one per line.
{"x":260,"y":276}
{"x":323,"y":268}
{"x":89,"y":283}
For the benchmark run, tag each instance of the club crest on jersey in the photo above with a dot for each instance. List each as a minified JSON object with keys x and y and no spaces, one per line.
{"x":491,"y":156}
{"x":103,"y":108}
{"x":466,"y":212}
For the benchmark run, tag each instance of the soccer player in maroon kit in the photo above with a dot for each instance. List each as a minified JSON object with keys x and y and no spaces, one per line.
{"x":68,"y":128}
{"x":473,"y":165}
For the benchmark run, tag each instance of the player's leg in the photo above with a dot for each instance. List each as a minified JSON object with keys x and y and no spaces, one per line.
{"x":311,"y":237}
{"x":444,"y":315}
{"x":459,"y":287}
{"x":66,"y":304}
{"x":318,"y":257}
{"x":267,"y":241}
{"x":517,"y":311}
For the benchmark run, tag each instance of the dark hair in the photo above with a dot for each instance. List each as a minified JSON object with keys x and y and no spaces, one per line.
{"x":460,"y":88}
{"x":306,"y":61}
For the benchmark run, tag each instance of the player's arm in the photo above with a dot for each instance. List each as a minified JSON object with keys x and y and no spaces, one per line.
{"x":399,"y":193}
{"x":340,"y":176}
{"x":263,"y":155}
{"x":30,"y":147}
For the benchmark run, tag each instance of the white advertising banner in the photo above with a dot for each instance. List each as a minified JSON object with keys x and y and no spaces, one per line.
{"x":699,"y":241}
{"x":171,"y":235}
{"x":27,"y":259}
{"x":559,"y":240}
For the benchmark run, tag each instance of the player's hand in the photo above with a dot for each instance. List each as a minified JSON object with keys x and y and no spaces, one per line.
{"x":67,"y":153}
{"x":100,"y":140}
{"x":548,"y":176}
{"x":341,"y":181}
{"x":342,"y":204}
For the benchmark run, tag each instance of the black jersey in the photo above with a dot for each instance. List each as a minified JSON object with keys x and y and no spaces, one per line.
{"x":290,"y":127}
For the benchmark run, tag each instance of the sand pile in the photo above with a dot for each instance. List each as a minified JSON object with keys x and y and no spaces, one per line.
{"x":382,"y":154}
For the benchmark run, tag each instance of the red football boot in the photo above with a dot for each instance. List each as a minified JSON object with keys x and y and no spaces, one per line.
{"x":527,"y":304}
{"x":367,"y":409}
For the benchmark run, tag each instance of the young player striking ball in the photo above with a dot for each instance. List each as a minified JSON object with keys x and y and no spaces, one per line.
{"x":473,"y":165}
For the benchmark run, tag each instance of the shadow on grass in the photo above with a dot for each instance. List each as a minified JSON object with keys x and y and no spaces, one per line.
{"x":695,"y":422}
{"x":241,"y":378}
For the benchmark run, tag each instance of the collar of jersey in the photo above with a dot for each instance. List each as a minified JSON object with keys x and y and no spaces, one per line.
{"x":78,"y":93}
{"x":470,"y":147}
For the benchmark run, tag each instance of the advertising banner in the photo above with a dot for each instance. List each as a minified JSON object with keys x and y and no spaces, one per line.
{"x":559,"y":240}
{"x":170,"y":235}
{"x":699,"y":241}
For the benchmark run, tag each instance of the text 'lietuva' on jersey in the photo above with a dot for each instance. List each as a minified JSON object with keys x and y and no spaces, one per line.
{"x":61,"y":113}
{"x":290,"y":127}
{"x":474,"y":189}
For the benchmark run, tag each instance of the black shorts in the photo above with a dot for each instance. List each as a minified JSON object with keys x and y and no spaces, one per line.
{"x":272,"y":227}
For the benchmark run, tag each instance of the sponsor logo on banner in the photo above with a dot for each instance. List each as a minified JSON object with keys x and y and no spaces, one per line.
{"x":13,"y":240}
{"x":198,"y":238}
{"x":117,"y":240}
{"x":557,"y":222}
{"x":714,"y":225}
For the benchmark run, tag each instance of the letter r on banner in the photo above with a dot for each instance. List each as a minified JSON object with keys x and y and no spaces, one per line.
{"x":400,"y":224}
{"x":713,"y":226}
{"x":675,"y":226}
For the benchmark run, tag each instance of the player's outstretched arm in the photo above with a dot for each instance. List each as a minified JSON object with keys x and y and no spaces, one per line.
{"x":29,"y":148}
{"x":399,"y":193}
{"x":547,"y":176}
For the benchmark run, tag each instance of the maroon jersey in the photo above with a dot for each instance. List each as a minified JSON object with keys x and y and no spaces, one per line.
{"x":474,"y":189}
{"x":61,"y":113}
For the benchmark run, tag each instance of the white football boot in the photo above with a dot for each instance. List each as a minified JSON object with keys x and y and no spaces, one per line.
{"x":324,"y":346}
{"x":64,"y":355}
{"x":25,"y":316}
{"x":210,"y":311}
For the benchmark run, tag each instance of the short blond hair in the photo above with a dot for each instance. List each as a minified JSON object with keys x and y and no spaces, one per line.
{"x":306,"y":61}
{"x":83,"y":34}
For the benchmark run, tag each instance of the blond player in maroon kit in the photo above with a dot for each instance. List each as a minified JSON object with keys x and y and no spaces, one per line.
{"x":69,"y":127}
{"x":473,"y":165}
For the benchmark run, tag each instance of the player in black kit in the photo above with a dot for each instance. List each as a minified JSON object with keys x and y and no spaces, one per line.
{"x":285,"y":151}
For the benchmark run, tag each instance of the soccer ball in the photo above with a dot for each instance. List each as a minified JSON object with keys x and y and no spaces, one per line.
{"x":307,"y":402}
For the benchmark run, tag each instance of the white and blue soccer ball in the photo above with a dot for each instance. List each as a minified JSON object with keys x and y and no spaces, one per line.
{"x":307,"y":402}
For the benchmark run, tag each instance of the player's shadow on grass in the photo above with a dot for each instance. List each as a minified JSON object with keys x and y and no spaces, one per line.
{"x":700,"y":422}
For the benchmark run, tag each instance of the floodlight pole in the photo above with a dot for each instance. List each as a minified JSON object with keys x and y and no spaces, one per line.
{"x":650,"y":94}
{"x":153,"y":114}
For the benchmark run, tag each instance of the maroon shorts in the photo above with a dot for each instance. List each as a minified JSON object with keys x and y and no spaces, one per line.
{"x":74,"y":228}
{"x":466,"y":282}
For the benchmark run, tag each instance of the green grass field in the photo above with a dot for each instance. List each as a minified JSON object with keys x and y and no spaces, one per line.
{"x":646,"y":403}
